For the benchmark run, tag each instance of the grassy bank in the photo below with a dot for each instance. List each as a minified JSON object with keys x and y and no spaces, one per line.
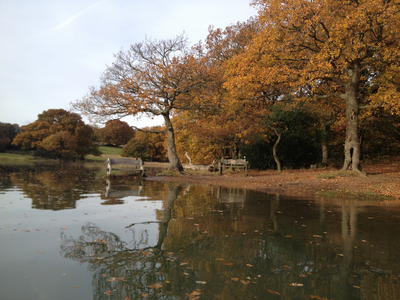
{"x":24,"y":158}
{"x":19,"y":159}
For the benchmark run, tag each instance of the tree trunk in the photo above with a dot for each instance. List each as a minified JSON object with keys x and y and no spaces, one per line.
{"x":324,"y":153}
{"x":278,"y":163}
{"x":174,"y":162}
{"x":352,"y":145}
{"x":326,"y":128}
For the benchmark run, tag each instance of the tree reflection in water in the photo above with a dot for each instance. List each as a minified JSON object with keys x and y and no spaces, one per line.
{"x":126,"y":270}
{"x":227,"y":248}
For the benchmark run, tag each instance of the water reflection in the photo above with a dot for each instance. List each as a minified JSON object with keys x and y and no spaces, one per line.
{"x":54,"y":187}
{"x":171,"y":241}
{"x":124,"y":269}
{"x":217,"y":243}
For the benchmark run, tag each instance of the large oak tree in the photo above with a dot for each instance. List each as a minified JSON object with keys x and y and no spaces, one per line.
{"x":338,"y":46}
{"x":154,"y":78}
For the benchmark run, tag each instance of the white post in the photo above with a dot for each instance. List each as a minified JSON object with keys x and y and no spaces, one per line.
{"x":109,"y":168}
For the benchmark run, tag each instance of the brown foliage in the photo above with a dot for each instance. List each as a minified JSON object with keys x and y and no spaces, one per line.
{"x":59,"y":132}
{"x":115,"y":132}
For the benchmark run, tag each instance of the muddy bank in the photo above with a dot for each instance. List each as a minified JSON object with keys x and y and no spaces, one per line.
{"x":382,"y":179}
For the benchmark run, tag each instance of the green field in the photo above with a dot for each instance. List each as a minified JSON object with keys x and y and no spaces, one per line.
{"x":114,"y":151}
{"x":24,"y":158}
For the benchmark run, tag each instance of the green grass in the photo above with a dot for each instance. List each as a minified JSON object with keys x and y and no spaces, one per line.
{"x":18,"y":159}
{"x":106,"y":151}
{"x":114,"y":151}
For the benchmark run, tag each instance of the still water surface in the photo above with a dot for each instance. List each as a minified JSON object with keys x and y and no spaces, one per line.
{"x":67,"y":234}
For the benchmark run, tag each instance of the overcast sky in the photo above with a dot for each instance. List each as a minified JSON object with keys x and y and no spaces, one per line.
{"x":51,"y":51}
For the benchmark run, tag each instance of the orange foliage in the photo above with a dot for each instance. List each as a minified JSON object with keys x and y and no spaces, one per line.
{"x":323,"y":50}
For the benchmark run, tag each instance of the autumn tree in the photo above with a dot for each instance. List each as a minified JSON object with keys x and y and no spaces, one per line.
{"x":338,"y":45}
{"x":115,"y":132}
{"x":154,"y":78}
{"x":57,"y":133}
{"x":220,"y":130}
{"x":147,"y":145}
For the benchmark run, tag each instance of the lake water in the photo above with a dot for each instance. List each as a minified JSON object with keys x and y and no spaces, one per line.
{"x":67,"y":234}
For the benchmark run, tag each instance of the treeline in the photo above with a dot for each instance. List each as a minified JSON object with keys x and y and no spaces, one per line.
{"x":304,"y":82}
{"x":238,"y":93}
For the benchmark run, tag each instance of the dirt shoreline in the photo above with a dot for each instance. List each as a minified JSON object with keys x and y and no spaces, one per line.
{"x":383,"y":179}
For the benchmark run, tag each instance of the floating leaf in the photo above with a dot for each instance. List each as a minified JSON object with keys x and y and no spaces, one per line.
{"x":288,"y":236}
{"x":273,"y":292}
{"x":155,"y":286}
{"x":144,"y":295}
{"x":296,"y":284}
{"x":235,"y":279}
{"x":245,"y":281}
{"x":228,"y":264}
{"x":317,"y":236}
{"x":64,"y":228}
{"x":317,"y":297}
{"x":201,"y":282}
{"x":196,"y":293}
{"x":112,"y":279}
{"x":75,"y":287}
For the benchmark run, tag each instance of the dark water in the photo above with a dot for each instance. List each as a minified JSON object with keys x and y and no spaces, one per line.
{"x":67,"y":234}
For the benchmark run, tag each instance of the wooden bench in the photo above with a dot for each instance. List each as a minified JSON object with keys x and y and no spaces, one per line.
{"x":119,"y":162}
{"x":232,"y":163}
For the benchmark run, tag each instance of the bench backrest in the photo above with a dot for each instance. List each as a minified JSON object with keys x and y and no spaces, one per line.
{"x":234,"y":162}
{"x":125,"y":161}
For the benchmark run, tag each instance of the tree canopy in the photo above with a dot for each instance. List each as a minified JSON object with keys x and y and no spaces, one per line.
{"x":154,"y":78}
{"x":115,"y":132}
{"x":57,"y":133}
{"x":324,"y":49}
{"x":340,"y":56}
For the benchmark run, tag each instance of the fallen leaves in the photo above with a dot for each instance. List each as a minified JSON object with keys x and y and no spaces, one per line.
{"x":108,"y":293}
{"x":273,"y":292}
{"x":155,"y":286}
{"x":317,"y":297}
{"x":296,"y":284}
{"x":115,"y":279}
